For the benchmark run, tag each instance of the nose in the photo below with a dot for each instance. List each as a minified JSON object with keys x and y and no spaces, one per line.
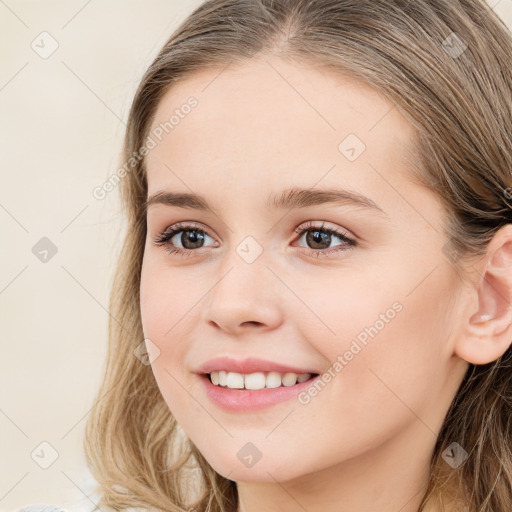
{"x":245,"y":296}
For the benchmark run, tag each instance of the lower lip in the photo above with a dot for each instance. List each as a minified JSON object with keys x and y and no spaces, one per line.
{"x":241,"y":400}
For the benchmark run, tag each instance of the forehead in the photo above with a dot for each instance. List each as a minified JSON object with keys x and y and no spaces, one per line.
{"x":276,"y":121}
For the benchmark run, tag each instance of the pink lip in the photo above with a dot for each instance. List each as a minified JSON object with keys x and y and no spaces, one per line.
{"x":245,"y":400}
{"x":248,"y":365}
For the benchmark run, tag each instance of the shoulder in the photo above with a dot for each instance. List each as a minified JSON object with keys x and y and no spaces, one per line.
{"x":39,"y":507}
{"x":71,"y":500}
{"x":48,"y":507}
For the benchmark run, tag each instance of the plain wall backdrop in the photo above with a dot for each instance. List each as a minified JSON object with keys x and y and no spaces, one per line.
{"x":68,"y":72}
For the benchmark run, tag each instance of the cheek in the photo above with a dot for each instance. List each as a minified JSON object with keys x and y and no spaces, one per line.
{"x":385,"y":344}
{"x":164,"y":299}
{"x":166,"y":305}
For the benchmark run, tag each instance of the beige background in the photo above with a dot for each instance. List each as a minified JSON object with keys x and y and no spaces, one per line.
{"x":62,"y":120}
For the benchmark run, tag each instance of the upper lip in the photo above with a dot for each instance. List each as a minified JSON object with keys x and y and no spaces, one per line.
{"x":248,"y":365}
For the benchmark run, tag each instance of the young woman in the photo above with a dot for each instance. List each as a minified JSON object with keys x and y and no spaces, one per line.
{"x":312,"y":308}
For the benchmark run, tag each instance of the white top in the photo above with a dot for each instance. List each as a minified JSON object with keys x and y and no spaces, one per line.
{"x":72,"y":500}
{"x":79,"y":507}
{"x":40,"y":507}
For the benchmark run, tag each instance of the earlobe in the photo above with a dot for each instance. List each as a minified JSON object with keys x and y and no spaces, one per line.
{"x":480,"y":319}
{"x":488,"y":332}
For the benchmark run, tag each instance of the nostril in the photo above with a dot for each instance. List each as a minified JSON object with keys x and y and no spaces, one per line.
{"x":252,"y":322}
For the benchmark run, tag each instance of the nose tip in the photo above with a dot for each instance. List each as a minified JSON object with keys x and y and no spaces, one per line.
{"x":242,"y":295}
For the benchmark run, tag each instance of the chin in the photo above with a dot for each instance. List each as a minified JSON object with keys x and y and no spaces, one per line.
{"x":263,"y":471}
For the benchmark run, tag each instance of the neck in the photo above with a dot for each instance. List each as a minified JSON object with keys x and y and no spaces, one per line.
{"x":392,"y":477}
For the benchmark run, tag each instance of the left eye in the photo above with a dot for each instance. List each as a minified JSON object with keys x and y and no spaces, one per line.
{"x":318,"y":235}
{"x":192,"y":237}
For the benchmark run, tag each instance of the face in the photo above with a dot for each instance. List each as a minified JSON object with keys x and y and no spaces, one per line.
{"x":359,"y":293}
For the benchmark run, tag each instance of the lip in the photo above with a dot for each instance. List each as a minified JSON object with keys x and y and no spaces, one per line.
{"x":244,"y":400}
{"x":249,"y":365}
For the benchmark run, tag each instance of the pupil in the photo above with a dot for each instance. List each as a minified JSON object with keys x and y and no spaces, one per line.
{"x":194,"y":236}
{"x":315,"y":238}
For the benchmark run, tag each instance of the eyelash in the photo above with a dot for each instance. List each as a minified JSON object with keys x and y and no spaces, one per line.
{"x":165,"y":236}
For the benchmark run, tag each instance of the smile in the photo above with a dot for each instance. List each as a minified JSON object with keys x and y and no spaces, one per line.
{"x":257,"y":380}
{"x":243,"y":399}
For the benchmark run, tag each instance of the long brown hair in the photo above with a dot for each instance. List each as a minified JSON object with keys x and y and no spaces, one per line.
{"x":447,"y":66}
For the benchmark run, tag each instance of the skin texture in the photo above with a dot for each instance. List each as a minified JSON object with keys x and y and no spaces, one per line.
{"x":364,"y":442}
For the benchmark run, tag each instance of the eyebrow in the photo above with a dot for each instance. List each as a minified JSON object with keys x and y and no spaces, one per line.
{"x":289,"y":199}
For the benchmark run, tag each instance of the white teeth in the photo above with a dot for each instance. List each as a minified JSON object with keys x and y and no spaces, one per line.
{"x":289,"y":379}
{"x":256,"y":380}
{"x":235,"y":380}
{"x":303,"y":377}
{"x":273,"y":380}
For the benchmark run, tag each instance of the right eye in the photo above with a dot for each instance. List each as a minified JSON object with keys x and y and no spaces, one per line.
{"x":191,"y":235}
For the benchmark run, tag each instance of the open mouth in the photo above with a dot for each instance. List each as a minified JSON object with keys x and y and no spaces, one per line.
{"x":257,"y":381}
{"x":246,"y":393}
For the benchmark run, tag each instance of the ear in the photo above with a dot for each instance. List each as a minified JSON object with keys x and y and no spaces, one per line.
{"x":487,"y":332}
